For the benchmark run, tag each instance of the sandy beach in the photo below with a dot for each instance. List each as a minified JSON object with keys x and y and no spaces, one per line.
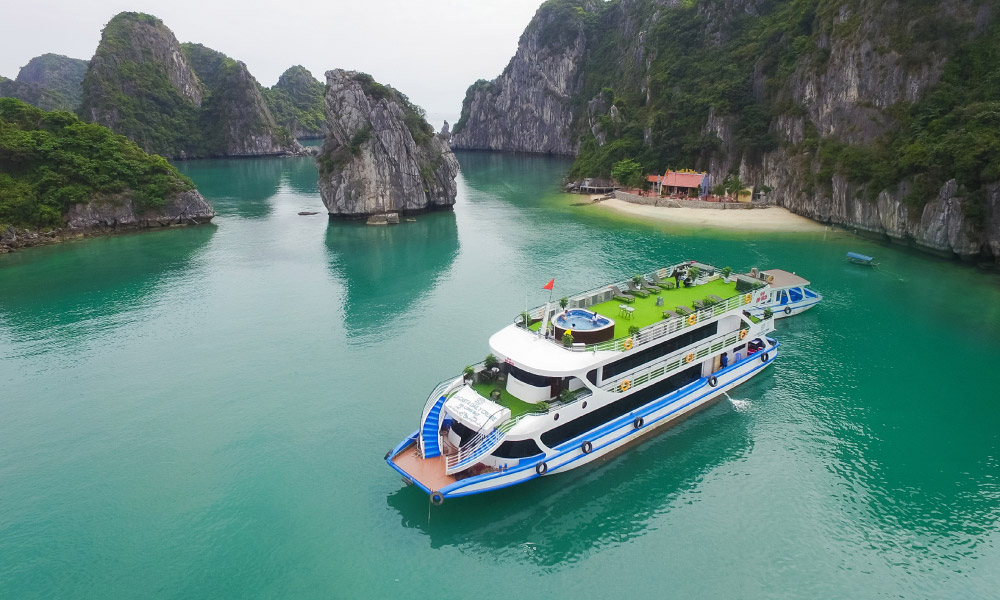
{"x":773,"y":218}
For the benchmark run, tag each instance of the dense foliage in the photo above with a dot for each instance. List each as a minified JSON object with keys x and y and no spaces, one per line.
{"x":51,"y":160}
{"x":738,"y":66}
{"x":146,"y":104}
{"x":296,"y":102}
{"x":61,"y":77}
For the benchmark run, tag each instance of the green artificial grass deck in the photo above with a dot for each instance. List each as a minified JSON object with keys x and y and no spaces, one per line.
{"x":647,"y":312}
{"x":516,"y":405}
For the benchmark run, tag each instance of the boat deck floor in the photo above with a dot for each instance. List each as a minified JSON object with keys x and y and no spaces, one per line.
{"x":428,"y":471}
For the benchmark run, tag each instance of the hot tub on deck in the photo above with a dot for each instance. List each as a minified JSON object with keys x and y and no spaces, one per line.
{"x":587,"y":327}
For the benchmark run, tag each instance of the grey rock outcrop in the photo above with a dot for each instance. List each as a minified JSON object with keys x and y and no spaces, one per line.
{"x":380,"y":155}
{"x":528,"y":108}
{"x":186,"y":208}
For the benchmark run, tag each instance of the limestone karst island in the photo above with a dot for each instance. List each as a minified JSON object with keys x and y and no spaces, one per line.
{"x":519,"y":298}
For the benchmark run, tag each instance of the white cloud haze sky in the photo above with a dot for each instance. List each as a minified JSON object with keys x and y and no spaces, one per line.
{"x":431,"y":50}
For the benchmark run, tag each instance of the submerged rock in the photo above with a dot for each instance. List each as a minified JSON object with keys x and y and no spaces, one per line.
{"x":380,"y":154}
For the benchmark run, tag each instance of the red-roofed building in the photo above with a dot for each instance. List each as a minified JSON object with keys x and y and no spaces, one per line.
{"x":679,"y":182}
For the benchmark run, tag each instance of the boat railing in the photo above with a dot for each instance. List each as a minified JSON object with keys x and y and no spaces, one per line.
{"x":670,"y":364}
{"x":552,"y":407}
{"x":662,"y":328}
{"x":486,"y":434}
{"x":444,"y":388}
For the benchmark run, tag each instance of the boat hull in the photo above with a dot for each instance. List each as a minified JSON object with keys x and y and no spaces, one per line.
{"x":789,"y":309}
{"x":612,"y":436}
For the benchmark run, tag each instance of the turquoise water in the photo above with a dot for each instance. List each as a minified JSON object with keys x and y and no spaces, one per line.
{"x":203,"y":412}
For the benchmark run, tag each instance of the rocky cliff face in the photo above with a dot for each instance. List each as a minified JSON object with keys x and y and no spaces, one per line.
{"x":380,"y":154}
{"x":143,"y":85}
{"x":234,"y":118}
{"x":297,"y":104}
{"x":868,"y":115}
{"x":528,"y":108}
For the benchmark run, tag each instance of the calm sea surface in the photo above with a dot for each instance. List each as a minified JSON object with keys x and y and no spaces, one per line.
{"x":202,"y":413}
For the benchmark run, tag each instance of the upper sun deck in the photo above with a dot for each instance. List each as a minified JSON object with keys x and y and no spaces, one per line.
{"x":652,"y":307}
{"x":783,"y":279}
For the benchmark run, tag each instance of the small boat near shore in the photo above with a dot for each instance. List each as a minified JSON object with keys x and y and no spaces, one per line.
{"x":861,"y":259}
{"x":545,"y":401}
{"x":787,"y":296}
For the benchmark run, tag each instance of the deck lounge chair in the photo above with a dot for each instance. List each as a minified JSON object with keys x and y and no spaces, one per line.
{"x":664,"y":284}
{"x":649,"y":287}
{"x":698,"y":304}
{"x":684,"y":310}
{"x":716,"y":298}
{"x":622,"y":296}
{"x":669,"y":314}
{"x":638,"y":291}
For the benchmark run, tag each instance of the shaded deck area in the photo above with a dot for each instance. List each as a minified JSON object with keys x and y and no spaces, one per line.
{"x":428,"y":471}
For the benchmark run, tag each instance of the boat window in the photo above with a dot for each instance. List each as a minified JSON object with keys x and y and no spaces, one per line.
{"x":517,"y":449}
{"x":600,"y":416}
{"x":809,"y":293}
{"x":796,"y":294}
{"x":592,"y":376}
{"x":637,"y":359}
{"x":783,"y":297}
{"x":529,"y":378}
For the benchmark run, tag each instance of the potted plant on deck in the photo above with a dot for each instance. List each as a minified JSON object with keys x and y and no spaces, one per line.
{"x":567,"y":339}
{"x":726,"y":272}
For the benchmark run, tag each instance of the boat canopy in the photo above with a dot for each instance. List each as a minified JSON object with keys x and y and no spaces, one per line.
{"x":859,"y":257}
{"x":784,"y":279}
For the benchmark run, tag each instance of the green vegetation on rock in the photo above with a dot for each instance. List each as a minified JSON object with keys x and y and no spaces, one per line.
{"x":59,"y":76}
{"x":296,"y":102}
{"x":414,"y":116}
{"x":51,"y":160}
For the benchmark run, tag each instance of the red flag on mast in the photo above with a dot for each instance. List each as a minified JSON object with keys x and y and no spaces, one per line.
{"x":549,"y":285}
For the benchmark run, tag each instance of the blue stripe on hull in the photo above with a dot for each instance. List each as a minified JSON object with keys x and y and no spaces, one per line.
{"x":525,"y":471}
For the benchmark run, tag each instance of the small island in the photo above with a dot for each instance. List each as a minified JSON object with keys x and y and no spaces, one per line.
{"x":62,"y":178}
{"x":380,"y":155}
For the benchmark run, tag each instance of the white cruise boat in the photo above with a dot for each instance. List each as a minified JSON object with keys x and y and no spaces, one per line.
{"x":643,"y":354}
{"x":788,"y":294}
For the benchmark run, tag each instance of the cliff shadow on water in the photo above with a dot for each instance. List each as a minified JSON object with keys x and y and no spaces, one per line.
{"x":562,"y":518}
{"x":387,"y":270}
{"x":244,"y":187}
{"x":513,"y":177}
{"x":80,"y":289}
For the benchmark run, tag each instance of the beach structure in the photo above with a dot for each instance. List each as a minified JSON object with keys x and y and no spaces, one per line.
{"x":564,"y":386}
{"x":679,"y":183}
{"x":787,"y":293}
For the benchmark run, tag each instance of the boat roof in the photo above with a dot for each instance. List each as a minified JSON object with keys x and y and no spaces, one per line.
{"x":529,"y":351}
{"x":860,"y":256}
{"x":785,"y":279}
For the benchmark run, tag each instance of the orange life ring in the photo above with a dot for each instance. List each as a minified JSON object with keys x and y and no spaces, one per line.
{"x":747,"y":299}
{"x":628,"y":344}
{"x":689,"y":357}
{"x":743,"y":333}
{"x":693,"y":318}
{"x":625,"y":385}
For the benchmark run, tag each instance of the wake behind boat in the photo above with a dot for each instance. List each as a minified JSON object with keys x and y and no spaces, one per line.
{"x":564,"y":386}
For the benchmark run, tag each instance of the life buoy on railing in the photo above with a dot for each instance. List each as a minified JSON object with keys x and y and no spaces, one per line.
{"x":541,"y":468}
{"x":712,"y":381}
{"x":689,"y":357}
{"x":587,"y":447}
{"x":747,"y":299}
{"x":437,"y":498}
{"x":638,"y":423}
{"x":763,"y":357}
{"x":625,"y":385}
{"x":788,"y":310}
{"x":743,"y":333}
{"x":693,"y":318}
{"x":627,"y":344}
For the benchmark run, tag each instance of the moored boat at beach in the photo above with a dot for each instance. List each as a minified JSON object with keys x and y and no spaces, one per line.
{"x":618,"y":362}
